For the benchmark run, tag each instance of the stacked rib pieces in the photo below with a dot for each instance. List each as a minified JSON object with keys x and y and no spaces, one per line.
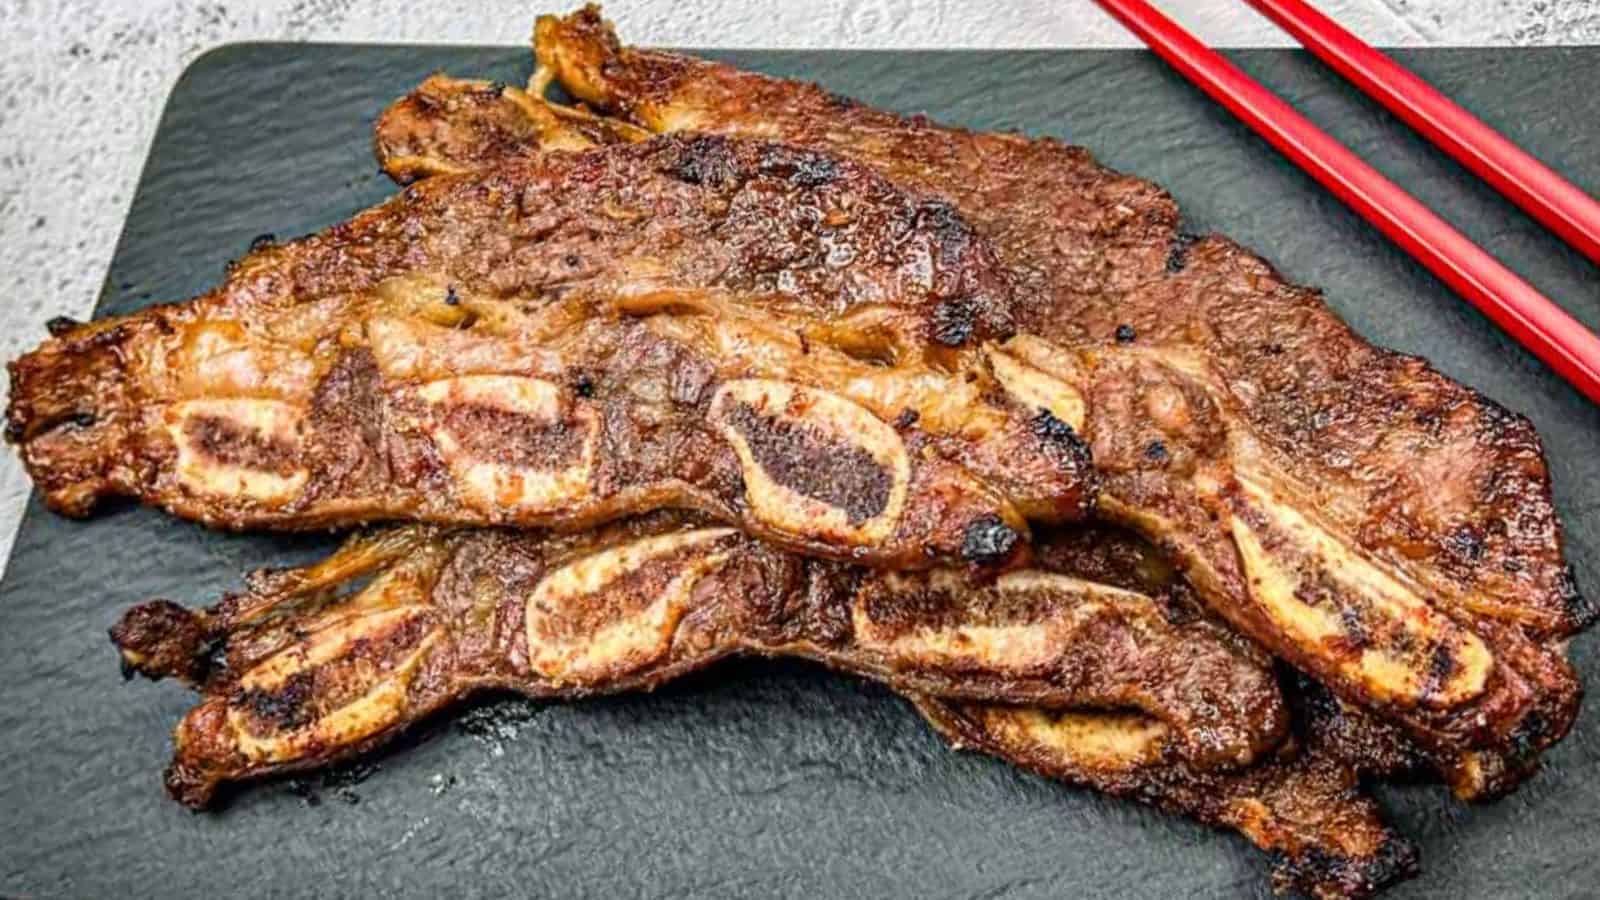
{"x":733,"y":365}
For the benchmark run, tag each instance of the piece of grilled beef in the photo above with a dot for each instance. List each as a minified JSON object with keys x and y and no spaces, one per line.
{"x":314,"y":664}
{"x":1422,"y":471}
{"x":1110,"y":394}
{"x":298,"y":671}
{"x":1291,"y":468}
{"x":572,"y":339}
{"x":1304,"y":805}
{"x":1326,"y":837}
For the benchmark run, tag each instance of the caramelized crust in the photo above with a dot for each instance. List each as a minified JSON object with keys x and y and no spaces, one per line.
{"x":447,"y":125}
{"x":316,"y":664}
{"x":299,"y":671}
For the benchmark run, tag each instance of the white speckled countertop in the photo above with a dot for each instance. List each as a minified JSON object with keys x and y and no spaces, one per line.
{"x":85,"y":82}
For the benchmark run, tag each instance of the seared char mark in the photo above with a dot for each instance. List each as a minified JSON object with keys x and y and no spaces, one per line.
{"x":811,"y":463}
{"x":282,"y":707}
{"x":1579,"y":607}
{"x":703,"y":160}
{"x":953,"y":323}
{"x":988,"y":539}
{"x":801,"y":168}
{"x":1177,"y":260}
{"x":61,"y":325}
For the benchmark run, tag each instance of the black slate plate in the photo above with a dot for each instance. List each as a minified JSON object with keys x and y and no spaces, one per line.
{"x":753,"y":779}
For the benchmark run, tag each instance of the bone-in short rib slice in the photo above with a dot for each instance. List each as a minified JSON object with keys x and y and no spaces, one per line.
{"x":316,"y":664}
{"x":1383,"y":528}
{"x":697,"y":323}
{"x":313,"y":665}
{"x":1179,"y":459}
{"x":1326,"y":837}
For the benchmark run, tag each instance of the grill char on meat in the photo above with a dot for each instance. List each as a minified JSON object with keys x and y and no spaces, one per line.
{"x":311,"y":672}
{"x":1245,"y":428}
{"x":455,"y":125}
{"x":482,"y":350}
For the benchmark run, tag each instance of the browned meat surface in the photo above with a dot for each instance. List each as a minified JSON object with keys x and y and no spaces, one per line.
{"x":557,"y":342}
{"x":448,"y":126}
{"x":1421,"y":470}
{"x":1326,"y":837}
{"x":830,"y":316}
{"x":1291,"y":469}
{"x":316,"y":664}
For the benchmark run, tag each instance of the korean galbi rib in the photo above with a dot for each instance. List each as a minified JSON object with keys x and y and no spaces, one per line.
{"x":316,"y":664}
{"x":1178,"y":459}
{"x":573,"y":339}
{"x":1381,"y":527}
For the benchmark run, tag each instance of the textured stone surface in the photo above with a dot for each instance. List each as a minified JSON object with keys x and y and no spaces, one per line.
{"x":85,"y":83}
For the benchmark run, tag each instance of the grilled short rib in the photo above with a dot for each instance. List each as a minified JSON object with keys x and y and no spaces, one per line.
{"x":576,"y":338}
{"x":1377,"y":525}
{"x":1210,"y":465}
{"x":318,"y":663}
{"x":298,"y":672}
{"x":1279,"y":544}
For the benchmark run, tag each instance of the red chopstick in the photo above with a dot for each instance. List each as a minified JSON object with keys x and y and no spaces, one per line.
{"x":1513,"y":304}
{"x":1562,"y":206}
